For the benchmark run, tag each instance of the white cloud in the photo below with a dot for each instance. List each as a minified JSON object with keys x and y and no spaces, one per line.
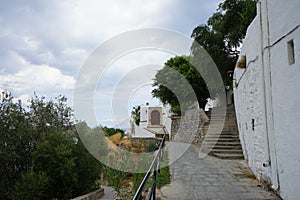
{"x":31,"y":43}
{"x":30,"y":78}
{"x":102,"y":19}
{"x":44,"y":43}
{"x":44,"y":77}
{"x":12,"y":61}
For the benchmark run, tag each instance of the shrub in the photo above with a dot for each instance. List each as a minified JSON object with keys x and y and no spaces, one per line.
{"x":31,"y":186}
{"x":152,"y":146}
{"x":72,"y":171}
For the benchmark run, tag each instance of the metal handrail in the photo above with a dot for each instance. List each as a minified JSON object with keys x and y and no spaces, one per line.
{"x":155,"y":169}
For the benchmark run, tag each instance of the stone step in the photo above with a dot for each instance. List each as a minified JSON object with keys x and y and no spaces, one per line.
{"x":222,"y":115}
{"x":229,"y":131}
{"x":220,"y":119}
{"x":230,"y":120}
{"x":235,"y":133}
{"x":226,"y":131}
{"x":222,"y":136}
{"x":219,"y":140}
{"x":223,"y":132}
{"x":213,"y":136}
{"x":224,"y":145}
{"x":228,"y":117}
{"x":219,"y":114}
{"x":216,"y":133}
{"x":221,"y":125}
{"x":238,"y":147}
{"x":229,"y":156}
{"x":227,"y":151}
{"x":222,"y":139}
{"x":225,"y":126}
{"x":206,"y":143}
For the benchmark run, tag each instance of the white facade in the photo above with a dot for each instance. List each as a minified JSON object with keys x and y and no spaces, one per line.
{"x":267,"y":96}
{"x":145,"y":115}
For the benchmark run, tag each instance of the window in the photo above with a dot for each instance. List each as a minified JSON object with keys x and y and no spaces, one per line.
{"x":253,"y":124}
{"x":291,"y":52}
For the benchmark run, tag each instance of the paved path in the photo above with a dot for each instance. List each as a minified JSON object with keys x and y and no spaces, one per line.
{"x":109,"y":193}
{"x":208,"y":178}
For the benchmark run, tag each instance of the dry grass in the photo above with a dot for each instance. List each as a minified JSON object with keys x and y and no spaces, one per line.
{"x":116,"y":138}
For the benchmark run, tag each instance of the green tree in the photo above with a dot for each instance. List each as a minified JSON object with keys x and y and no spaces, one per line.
{"x":72,"y":171}
{"x":222,"y":36}
{"x":16,"y":142}
{"x":232,"y":20}
{"x":45,"y":114}
{"x":136,"y":111}
{"x":54,"y":157}
{"x":88,"y":169}
{"x":111,"y":131}
{"x":169,"y":78}
{"x":39,"y":145}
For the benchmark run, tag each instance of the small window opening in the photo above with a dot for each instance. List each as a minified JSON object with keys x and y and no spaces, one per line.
{"x":253,"y":124}
{"x":291,"y":52}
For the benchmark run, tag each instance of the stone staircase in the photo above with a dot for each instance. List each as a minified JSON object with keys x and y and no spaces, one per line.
{"x":224,"y":145}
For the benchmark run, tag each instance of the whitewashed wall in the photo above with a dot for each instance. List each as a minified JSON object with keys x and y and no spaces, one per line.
{"x":167,"y":122}
{"x":248,"y":104}
{"x":144,"y":116}
{"x":284,"y":18}
{"x":281,"y":82}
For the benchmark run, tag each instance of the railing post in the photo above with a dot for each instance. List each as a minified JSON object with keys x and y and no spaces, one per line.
{"x":154,"y":168}
{"x":154,"y":184}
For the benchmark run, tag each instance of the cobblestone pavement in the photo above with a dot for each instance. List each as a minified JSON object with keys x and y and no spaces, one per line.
{"x":209,"y":178}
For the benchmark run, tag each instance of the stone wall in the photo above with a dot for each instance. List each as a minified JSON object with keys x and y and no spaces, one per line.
{"x":189,"y":128}
{"x":144,"y":141}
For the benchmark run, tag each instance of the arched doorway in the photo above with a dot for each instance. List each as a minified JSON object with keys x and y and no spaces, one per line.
{"x":155,"y":117}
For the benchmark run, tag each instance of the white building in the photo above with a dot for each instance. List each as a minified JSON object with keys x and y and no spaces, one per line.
{"x":267,"y":95}
{"x":152,"y":120}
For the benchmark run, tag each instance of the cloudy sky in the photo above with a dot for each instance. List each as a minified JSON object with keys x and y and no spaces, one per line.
{"x":43,"y":44}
